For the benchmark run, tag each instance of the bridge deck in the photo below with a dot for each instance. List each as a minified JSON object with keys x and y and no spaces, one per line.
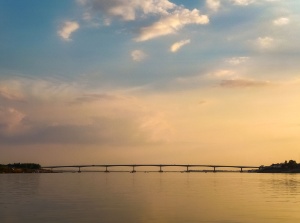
{"x":153,"y":165}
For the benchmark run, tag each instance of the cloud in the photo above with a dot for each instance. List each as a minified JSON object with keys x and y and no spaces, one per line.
{"x":68,"y":113}
{"x":281,"y":21}
{"x":112,"y":131}
{"x":249,"y":2}
{"x":221,"y":74}
{"x":172,"y":23}
{"x":128,"y":10}
{"x":10,"y":95}
{"x":237,"y":60}
{"x":216,"y":75}
{"x":101,"y":131}
{"x":168,"y":17}
{"x":213,"y":5}
{"x":176,"y":46}
{"x":82,"y":2}
{"x":265,"y":42}
{"x":10,"y":120}
{"x":242,"y":2}
{"x":138,"y":55}
{"x":189,"y":80}
{"x":243,"y":83}
{"x":88,"y":98}
{"x":222,"y":78}
{"x":67,"y":29}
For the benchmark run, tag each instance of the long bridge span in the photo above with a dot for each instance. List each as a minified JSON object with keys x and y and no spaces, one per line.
{"x":133,"y":167}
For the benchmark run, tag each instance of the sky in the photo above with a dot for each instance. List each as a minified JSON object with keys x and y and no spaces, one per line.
{"x":149,"y":81}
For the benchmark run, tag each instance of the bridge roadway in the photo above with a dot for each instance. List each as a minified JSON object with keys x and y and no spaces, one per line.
{"x":187,"y":166}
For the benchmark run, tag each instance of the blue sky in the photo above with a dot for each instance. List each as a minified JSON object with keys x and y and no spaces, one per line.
{"x":120,"y":81}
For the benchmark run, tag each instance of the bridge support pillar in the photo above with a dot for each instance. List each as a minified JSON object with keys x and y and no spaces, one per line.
{"x":160,"y":169}
{"x":187,"y":169}
{"x":106,"y":170}
{"x":79,"y":171}
{"x":214,"y":169}
{"x":133,"y":170}
{"x":241,"y":169}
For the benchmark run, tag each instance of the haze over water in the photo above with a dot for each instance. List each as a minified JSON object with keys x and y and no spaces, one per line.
{"x":150,"y":197}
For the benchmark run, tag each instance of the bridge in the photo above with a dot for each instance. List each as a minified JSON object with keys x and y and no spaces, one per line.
{"x":133,"y":167}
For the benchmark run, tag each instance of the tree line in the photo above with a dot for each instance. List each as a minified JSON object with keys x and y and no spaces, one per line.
{"x":290,"y":166}
{"x":19,"y":167}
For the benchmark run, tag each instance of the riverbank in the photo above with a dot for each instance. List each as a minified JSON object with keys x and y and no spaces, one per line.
{"x":23,"y":168}
{"x":286,"y":167}
{"x":8,"y":170}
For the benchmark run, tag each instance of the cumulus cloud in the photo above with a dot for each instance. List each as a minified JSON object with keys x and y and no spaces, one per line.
{"x":138,"y":55}
{"x":281,"y":21}
{"x":67,"y":29}
{"x":242,"y":83}
{"x":237,"y":60}
{"x":171,"y":23}
{"x":265,"y":42}
{"x":176,"y":46}
{"x":213,"y":5}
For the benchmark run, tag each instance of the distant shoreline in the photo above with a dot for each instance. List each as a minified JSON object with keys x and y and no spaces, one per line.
{"x":23,"y":168}
{"x":285,"y":167}
{"x":19,"y":171}
{"x":14,"y":171}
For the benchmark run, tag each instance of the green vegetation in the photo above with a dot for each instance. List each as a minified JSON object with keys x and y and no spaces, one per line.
{"x":22,"y":168}
{"x":287,"y":167}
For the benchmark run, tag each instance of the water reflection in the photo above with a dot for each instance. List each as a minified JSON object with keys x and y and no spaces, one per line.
{"x":17,"y":190}
{"x":150,"y":197}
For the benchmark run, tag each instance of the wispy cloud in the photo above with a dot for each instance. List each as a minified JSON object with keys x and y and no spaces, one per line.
{"x":281,"y":21}
{"x":237,"y":60}
{"x":138,"y":55}
{"x":54,"y":116}
{"x":129,"y":9}
{"x":10,"y":121}
{"x":242,"y":2}
{"x":265,"y":42}
{"x":88,"y":98}
{"x":243,"y":83}
{"x":176,"y":46}
{"x":172,"y":23}
{"x":213,"y":5}
{"x":221,"y":74}
{"x":10,"y":94}
{"x":168,"y":17}
{"x":67,"y":29}
{"x":211,"y":76}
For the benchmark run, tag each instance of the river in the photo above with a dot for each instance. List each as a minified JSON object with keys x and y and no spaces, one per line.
{"x":169,"y":197}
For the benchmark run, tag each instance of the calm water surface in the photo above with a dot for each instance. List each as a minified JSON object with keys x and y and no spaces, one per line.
{"x":150,"y":198}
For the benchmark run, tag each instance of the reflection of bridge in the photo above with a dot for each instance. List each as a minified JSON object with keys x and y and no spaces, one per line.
{"x":133,"y":167}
